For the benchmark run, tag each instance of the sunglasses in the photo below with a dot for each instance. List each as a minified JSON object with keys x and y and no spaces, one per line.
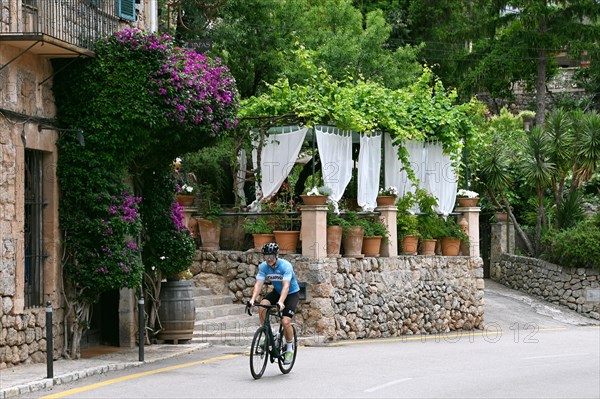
{"x":270,"y":257}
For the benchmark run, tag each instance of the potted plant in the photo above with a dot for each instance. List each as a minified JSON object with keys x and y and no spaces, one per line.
{"x":261,"y":230}
{"x":375,"y":231}
{"x":352,"y":235}
{"x":186,"y":194}
{"x":467,"y":198}
{"x":452,"y":237}
{"x":209,"y":222}
{"x":335,"y":225}
{"x":429,"y":224}
{"x":406,"y":224}
{"x":387,"y":196}
{"x":316,"y":195}
{"x":282,"y":208}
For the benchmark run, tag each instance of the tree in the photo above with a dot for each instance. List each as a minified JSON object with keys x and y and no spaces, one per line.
{"x":257,"y":40}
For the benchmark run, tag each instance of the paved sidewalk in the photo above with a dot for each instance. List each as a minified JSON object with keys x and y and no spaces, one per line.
{"x":23,"y":379}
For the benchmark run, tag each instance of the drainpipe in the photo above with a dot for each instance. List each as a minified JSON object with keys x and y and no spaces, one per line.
{"x":153,"y":17}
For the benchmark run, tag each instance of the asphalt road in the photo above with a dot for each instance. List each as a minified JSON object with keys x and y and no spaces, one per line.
{"x":527,"y":349}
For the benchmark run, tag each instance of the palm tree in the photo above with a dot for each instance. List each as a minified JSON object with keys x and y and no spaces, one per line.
{"x":496,"y":177}
{"x":587,"y":147}
{"x":539,"y":170}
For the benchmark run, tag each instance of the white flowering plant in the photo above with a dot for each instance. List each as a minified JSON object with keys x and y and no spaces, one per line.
{"x":462,"y":193}
{"x":390,"y":190}
{"x":186,"y":189}
{"x":322,"y":190}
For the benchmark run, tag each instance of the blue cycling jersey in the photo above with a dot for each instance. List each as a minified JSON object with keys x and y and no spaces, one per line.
{"x":283,"y":272}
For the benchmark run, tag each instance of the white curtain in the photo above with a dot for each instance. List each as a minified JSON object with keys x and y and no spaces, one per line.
{"x":278,"y":156}
{"x":393,"y":176}
{"x":335,"y":152}
{"x":369,"y":163}
{"x":441,"y":180}
{"x":432,"y":168}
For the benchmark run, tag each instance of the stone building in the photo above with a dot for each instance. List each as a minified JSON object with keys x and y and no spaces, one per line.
{"x":32,"y":33}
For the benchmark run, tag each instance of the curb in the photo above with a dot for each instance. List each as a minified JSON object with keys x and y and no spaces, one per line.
{"x":45,"y":383}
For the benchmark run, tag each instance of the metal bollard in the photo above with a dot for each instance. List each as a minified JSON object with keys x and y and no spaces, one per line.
{"x":141,"y":328}
{"x":49,"y":346}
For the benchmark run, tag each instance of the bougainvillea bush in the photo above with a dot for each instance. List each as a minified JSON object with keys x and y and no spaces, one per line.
{"x":127,"y":112}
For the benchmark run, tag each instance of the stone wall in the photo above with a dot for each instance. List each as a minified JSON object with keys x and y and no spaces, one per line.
{"x":577,"y":289}
{"x":364,"y":298}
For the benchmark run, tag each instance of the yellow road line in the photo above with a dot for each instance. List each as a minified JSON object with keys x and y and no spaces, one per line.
{"x":458,"y":335}
{"x":138,"y":375}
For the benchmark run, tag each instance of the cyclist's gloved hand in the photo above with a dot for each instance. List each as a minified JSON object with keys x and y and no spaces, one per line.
{"x":250,"y":303}
{"x":281,"y":306}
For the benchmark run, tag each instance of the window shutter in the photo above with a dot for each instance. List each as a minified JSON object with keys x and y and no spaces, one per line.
{"x":127,"y":9}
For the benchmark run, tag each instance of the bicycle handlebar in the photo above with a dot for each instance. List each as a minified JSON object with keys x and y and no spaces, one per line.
{"x":249,"y":308}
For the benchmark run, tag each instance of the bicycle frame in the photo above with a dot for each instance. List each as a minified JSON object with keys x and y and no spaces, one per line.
{"x":270,"y":346}
{"x":263,"y":349}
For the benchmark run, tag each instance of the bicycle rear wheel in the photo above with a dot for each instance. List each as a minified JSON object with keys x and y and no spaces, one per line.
{"x":286,"y":368}
{"x":259,"y":353}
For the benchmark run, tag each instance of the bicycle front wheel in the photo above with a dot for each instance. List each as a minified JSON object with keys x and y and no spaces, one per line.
{"x":259,"y":353}
{"x":286,"y":368}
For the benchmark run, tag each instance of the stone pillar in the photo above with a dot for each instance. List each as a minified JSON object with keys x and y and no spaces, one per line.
{"x":503,"y":241}
{"x":471,"y":216}
{"x":187,"y":215}
{"x":389,"y":247}
{"x":127,"y":318}
{"x":313,"y":231}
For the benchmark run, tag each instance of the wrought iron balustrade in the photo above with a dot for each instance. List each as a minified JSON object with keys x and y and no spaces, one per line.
{"x":75,"y":22}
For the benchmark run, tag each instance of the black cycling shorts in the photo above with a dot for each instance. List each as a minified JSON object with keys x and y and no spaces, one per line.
{"x":290,"y":303}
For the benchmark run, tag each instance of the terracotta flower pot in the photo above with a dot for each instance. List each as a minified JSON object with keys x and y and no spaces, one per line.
{"x":467,"y":202}
{"x":287,"y":241}
{"x":262,"y":239}
{"x":210,"y":234}
{"x":428,"y":247}
{"x":385,"y":200}
{"x":185,"y":200}
{"x":450,"y":246}
{"x":501,"y":216}
{"x":371,"y":246}
{"x":410,"y":244}
{"x":334,"y":241}
{"x":314,"y":199}
{"x":352,"y":242}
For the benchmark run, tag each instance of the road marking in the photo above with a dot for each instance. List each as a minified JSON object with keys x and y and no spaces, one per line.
{"x":450,"y":336}
{"x":555,"y":356}
{"x":388,"y":384}
{"x":137,"y":375}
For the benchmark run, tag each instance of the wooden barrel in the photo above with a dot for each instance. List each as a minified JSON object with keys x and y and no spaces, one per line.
{"x":177,"y":311}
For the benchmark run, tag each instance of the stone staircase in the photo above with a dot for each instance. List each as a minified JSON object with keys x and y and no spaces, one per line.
{"x":219,"y":321}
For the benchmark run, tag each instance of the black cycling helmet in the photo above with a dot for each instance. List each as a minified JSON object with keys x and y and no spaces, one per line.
{"x":270,"y":248}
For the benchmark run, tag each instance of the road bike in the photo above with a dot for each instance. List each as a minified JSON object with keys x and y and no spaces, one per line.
{"x":267,"y":346}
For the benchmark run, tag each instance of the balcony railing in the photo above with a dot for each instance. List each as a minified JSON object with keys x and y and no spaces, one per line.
{"x":78,"y":23}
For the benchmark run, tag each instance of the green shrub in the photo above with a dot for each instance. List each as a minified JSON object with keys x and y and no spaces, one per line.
{"x":578,"y":246}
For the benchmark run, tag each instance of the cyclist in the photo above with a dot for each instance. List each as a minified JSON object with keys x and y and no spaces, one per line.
{"x":285,"y":293}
